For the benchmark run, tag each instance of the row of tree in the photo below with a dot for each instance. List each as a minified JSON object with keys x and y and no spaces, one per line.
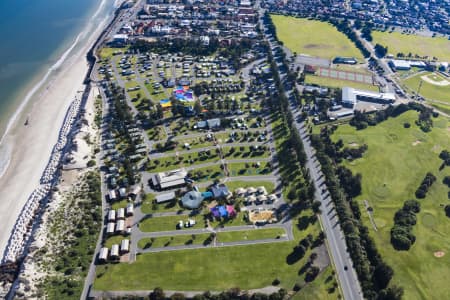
{"x":362,"y":120}
{"x":344,"y":27}
{"x":426,"y":183}
{"x":231,"y":294}
{"x":373,"y":273}
{"x":405,"y":218}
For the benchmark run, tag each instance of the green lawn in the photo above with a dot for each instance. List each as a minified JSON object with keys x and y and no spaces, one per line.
{"x":428,"y":90}
{"x":207,"y":173}
{"x":155,"y":94}
{"x":314,"y":38}
{"x":156,"y":133}
{"x":183,"y":160}
{"x":249,"y":235}
{"x":243,"y":169}
{"x":119,"y":204}
{"x":107,"y":52}
{"x":176,"y":240}
{"x":134,"y":94}
{"x":168,"y":223}
{"x":442,"y":107}
{"x":337,"y":83}
{"x":148,"y":207}
{"x":250,"y":266}
{"x":233,"y":185}
{"x":194,"y":143}
{"x":392,"y":169}
{"x":113,"y":240}
{"x":420,"y":45}
{"x":247,"y":153}
{"x":238,"y":220}
{"x":323,"y":288}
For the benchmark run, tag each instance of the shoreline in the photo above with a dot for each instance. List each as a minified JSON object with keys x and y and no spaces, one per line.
{"x":33,"y":147}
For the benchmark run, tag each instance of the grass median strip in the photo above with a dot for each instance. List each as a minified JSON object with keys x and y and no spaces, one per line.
{"x":176,"y":240}
{"x":154,"y":224}
{"x":250,"y":235}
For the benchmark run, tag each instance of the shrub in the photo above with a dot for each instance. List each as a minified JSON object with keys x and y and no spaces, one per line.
{"x":406,"y":125}
{"x":447,"y":210}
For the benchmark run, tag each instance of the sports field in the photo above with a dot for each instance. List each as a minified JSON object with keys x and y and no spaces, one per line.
{"x":220,"y":268}
{"x":395,"y":163}
{"x":314,"y":38}
{"x":338,"y":83}
{"x":434,"y":86}
{"x":420,"y":45}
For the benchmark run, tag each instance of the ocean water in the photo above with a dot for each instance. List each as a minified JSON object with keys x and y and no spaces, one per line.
{"x":36,"y":37}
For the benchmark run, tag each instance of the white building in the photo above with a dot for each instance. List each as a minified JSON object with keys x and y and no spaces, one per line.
{"x":120,"y":226}
{"x":110,"y":228}
{"x":350,"y":96}
{"x":112,"y":195}
{"x":115,"y":251}
{"x":161,"y":198}
{"x":125,"y":246}
{"x":121,"y":214}
{"x":112,"y":215}
{"x":169,"y":179}
{"x":103,"y":255}
{"x":397,"y":64}
{"x":130,"y":209}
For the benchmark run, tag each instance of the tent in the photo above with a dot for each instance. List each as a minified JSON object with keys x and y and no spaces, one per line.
{"x":165,"y":103}
{"x":231,"y":211}
{"x":215,"y":212}
{"x":223,"y":211}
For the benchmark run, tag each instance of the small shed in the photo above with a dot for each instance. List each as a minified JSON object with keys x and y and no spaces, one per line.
{"x":261,"y":190}
{"x":115,"y":251}
{"x":239,"y":191}
{"x":165,"y":197}
{"x":223,"y":211}
{"x":125,"y":246}
{"x":103,"y":255}
{"x":122,"y":192}
{"x":121,"y":213}
{"x":250,"y":199}
{"x":261,"y":198}
{"x":110,"y":228}
{"x":251,"y":190}
{"x":135,"y":190}
{"x":112,"y":215}
{"x":130,"y":209}
{"x":120,"y":226}
{"x":112,"y":195}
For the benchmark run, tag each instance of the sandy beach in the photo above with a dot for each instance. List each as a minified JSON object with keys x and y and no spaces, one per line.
{"x":31,"y":145}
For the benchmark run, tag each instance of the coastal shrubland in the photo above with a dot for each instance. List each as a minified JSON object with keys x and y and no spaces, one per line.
{"x":73,"y":235}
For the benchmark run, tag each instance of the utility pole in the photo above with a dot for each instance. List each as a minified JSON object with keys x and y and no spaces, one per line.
{"x":420,"y":86}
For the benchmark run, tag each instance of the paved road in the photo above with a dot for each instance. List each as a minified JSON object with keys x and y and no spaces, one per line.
{"x":336,"y":240}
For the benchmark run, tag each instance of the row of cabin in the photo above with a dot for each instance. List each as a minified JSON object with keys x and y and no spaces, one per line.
{"x":121,"y":213}
{"x":118,"y":227}
{"x":115,"y":253}
{"x":260,"y":199}
{"x":114,"y":195}
{"x":240,"y":192}
{"x":121,"y":193}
